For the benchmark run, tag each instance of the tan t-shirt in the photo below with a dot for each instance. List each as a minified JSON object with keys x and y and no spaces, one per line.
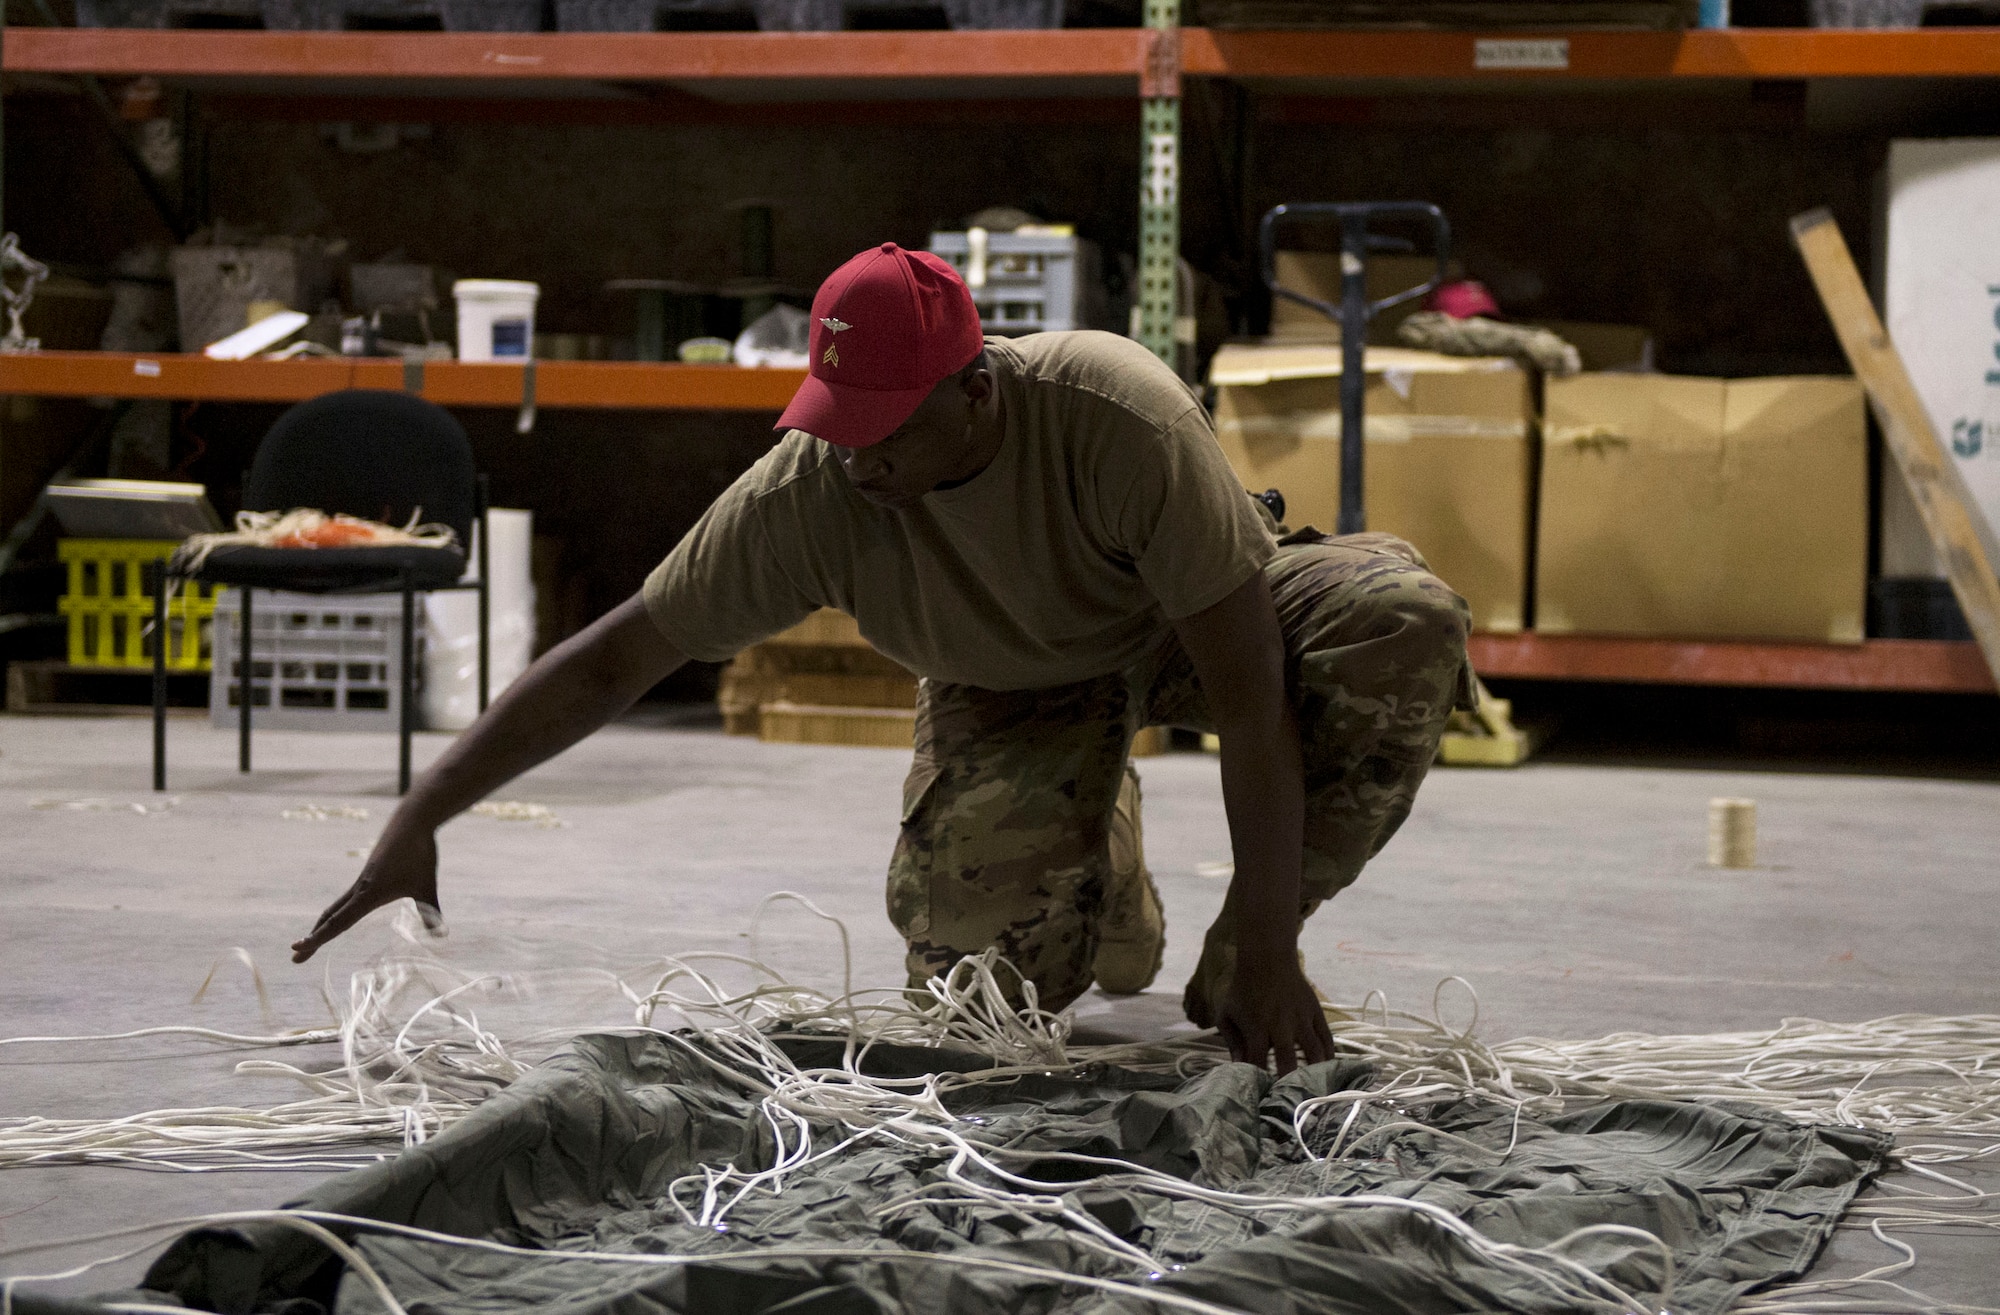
{"x":1108,"y":512}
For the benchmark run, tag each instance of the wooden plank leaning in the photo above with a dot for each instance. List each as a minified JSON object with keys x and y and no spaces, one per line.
{"x":1958,"y":530}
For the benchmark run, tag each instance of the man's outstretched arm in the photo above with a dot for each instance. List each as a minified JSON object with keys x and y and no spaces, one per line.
{"x":574,"y":688}
{"x":1238,"y":652}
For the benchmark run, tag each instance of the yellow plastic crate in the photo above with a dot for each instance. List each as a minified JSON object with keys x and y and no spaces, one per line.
{"x":110,"y":609}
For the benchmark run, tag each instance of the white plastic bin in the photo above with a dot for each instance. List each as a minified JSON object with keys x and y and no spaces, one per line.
{"x":451,"y":626}
{"x":496,"y":319}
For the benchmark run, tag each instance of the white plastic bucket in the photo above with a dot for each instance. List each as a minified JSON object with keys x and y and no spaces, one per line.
{"x":496,"y":319}
{"x":450,"y":620}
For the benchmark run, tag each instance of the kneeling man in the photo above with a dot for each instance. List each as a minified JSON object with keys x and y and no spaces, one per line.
{"x":1045,"y":530}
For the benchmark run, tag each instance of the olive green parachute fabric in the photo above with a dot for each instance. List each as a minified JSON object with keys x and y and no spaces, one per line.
{"x":578,"y":1156}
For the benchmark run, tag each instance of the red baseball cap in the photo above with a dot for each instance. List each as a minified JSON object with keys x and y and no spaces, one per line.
{"x":887,"y":327}
{"x":1463,"y":299}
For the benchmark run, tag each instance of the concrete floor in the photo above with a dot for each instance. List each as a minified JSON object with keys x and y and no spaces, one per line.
{"x":1572,"y":896}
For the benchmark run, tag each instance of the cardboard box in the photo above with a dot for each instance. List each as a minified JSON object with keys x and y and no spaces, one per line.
{"x":821,"y":683}
{"x":1605,"y":346}
{"x":1941,"y":303}
{"x":1447,"y":462}
{"x":1703,"y":508}
{"x":68,"y":315}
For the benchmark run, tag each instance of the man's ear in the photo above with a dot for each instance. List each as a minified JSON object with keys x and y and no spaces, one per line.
{"x":978,"y":386}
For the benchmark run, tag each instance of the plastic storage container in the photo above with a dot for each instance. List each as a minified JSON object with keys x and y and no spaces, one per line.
{"x":1029,"y":283}
{"x":496,"y":319}
{"x":110,"y":607}
{"x":318,"y":662}
{"x":450,"y":618}
{"x":214,"y":287}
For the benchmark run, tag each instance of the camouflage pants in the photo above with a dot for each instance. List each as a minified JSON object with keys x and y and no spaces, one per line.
{"x":1009,"y":807}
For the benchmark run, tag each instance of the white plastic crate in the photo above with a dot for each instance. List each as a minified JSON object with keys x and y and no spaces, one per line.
{"x":1031,"y":282}
{"x":317,"y":662}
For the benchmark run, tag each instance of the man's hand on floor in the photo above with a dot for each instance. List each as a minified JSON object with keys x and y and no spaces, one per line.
{"x":404,"y":864}
{"x":1274,"y":1010}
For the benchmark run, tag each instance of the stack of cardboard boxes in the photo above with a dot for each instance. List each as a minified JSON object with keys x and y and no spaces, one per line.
{"x":1448,"y":462}
{"x":821,"y":683}
{"x":1654,"y":505}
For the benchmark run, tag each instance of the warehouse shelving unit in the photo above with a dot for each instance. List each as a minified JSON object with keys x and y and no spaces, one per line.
{"x":1095,"y":73}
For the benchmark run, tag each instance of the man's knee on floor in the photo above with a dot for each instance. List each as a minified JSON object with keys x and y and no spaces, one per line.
{"x":1412,"y":625}
{"x":1388,"y":679}
{"x":1426,"y":616}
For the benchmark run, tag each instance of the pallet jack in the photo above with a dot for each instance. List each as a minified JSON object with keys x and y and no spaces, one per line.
{"x":1487,"y":736}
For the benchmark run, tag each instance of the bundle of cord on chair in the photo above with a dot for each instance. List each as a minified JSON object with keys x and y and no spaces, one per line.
{"x":304,"y":527}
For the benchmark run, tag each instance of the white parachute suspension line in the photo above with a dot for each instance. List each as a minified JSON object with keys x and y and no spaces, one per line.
{"x":400,"y":1082}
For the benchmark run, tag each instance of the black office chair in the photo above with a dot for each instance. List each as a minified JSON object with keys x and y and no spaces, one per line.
{"x":379,"y":455}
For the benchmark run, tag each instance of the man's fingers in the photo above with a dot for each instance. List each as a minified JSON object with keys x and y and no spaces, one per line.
{"x":339,"y":916}
{"x":322,"y":932}
{"x":402,"y":865}
{"x":1322,"y":1033}
{"x":1232,"y":1036}
{"x":1317,"y":1044}
{"x":428,"y":903}
{"x":333,"y":911}
{"x":306,"y":946}
{"x":1256,"y":1045}
{"x":303,"y":948}
{"x":1316,"y":1039}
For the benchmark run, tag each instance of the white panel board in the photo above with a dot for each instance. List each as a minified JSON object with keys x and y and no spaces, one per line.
{"x":1942,"y":294}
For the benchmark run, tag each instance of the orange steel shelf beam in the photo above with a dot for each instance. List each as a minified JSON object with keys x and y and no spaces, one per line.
{"x":583,"y":384}
{"x":585,"y":56}
{"x":675,"y":106}
{"x":1750,"y":53}
{"x":1900,"y":665}
{"x":1085,"y":53}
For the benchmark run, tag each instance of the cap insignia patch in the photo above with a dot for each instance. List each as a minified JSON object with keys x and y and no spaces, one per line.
{"x":832,"y":354}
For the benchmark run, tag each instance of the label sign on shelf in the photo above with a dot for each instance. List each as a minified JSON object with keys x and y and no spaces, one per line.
{"x":1545,"y":53}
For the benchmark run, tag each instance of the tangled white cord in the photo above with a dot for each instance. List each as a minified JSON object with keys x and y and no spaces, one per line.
{"x":307,"y":528}
{"x":1909,"y":1074}
{"x":407,"y":1071}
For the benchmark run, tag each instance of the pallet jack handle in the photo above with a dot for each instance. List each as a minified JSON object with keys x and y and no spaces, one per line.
{"x":1354,"y":310}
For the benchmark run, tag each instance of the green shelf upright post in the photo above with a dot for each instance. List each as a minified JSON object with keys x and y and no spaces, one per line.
{"x":1160,"y":178}
{"x":3,"y":120}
